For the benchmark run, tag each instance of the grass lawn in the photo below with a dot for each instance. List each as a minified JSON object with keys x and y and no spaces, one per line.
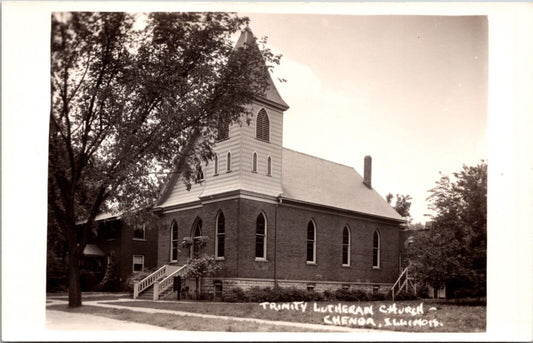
{"x":175,"y":322}
{"x":446,"y":317}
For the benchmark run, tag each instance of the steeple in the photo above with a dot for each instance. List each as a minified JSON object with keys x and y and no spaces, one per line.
{"x":272,"y":95}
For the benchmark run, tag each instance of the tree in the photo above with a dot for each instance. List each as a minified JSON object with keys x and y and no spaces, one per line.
{"x":452,"y":251}
{"x":200,"y":264}
{"x":130,"y":108}
{"x":402,"y":204}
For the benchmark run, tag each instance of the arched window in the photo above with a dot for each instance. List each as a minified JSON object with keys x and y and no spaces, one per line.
{"x":195,"y":233}
{"x":254,"y":163}
{"x":260,"y":237}
{"x":216,"y":164}
{"x":311,"y":242}
{"x":220,"y":234}
{"x":198,"y":228}
{"x":376,"y":250}
{"x":199,"y":175}
{"x":346,"y":246}
{"x":262,"y":128}
{"x":174,"y":241}
{"x":269,"y":166}
{"x":228,"y":162}
{"x":223,"y":131}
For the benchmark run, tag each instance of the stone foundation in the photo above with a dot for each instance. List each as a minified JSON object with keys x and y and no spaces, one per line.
{"x":209,"y":285}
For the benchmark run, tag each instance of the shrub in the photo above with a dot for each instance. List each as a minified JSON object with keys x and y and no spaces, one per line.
{"x":89,"y":280}
{"x":132,"y":278}
{"x":378,"y":296}
{"x":234,"y":295}
{"x":403,"y":295}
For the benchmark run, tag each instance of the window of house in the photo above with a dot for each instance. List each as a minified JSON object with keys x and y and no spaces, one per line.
{"x":138,"y":263}
{"x":216,"y":164}
{"x":260,"y":237}
{"x":310,"y":287}
{"x":346,"y":246}
{"x":228,"y":162}
{"x":174,"y":242}
{"x":254,"y":163}
{"x":223,"y":131}
{"x":311,"y":242}
{"x":139,"y":232}
{"x":269,"y":166}
{"x":220,"y":232}
{"x":376,"y":246}
{"x":262,"y":128}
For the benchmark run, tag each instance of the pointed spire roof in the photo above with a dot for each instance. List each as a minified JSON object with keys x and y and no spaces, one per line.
{"x":272,"y":95}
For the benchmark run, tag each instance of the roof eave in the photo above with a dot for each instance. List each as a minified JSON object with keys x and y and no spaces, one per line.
{"x":348,"y":211}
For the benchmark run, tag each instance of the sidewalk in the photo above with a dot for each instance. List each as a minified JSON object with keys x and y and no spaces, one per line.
{"x":61,"y":320}
{"x":103,"y":303}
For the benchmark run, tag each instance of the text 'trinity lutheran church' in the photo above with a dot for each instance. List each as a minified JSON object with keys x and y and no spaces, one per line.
{"x":275,"y":216}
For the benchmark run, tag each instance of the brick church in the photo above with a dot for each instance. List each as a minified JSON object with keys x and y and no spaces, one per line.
{"x":274,"y":216}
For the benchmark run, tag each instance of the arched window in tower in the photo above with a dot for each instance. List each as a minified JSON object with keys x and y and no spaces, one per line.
{"x":260,"y":237}
{"x":220,"y":235}
{"x":223,"y":131}
{"x":346,"y":246}
{"x":376,"y":250}
{"x":174,"y":241}
{"x":216,"y":164}
{"x":269,"y":166}
{"x":262,"y":128}
{"x":254,"y":162}
{"x":199,"y":175}
{"x":311,"y":242}
{"x":228,"y":162}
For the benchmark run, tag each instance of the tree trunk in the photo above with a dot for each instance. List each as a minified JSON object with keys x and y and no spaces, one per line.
{"x":74,"y":289}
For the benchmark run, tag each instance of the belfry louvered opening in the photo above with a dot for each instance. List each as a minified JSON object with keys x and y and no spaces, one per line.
{"x":262,"y":129}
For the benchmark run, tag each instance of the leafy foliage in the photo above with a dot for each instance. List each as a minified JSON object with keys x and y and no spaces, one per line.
{"x":402,"y":204}
{"x":452,"y":249}
{"x":130,"y":107}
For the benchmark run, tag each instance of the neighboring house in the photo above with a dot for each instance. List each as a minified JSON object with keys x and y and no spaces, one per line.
{"x":275,"y":216}
{"x":133,"y":248}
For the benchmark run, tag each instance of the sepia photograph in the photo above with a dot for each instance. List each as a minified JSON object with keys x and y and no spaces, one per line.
{"x":229,"y":170}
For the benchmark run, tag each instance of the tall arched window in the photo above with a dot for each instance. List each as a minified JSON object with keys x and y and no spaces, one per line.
{"x":228,"y":162}
{"x":220,"y":234}
{"x":254,"y":162}
{"x":262,"y":128}
{"x":376,"y":250}
{"x":223,"y":131}
{"x":311,"y":242}
{"x":346,"y":246}
{"x":269,"y":166}
{"x":216,"y":164}
{"x":174,"y":241}
{"x":199,"y":175}
{"x":260,"y":237}
{"x":195,"y":233}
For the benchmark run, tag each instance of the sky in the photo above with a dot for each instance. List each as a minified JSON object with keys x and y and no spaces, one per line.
{"x":411,"y":91}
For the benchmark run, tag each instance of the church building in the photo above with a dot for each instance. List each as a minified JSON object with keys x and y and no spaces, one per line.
{"x":274,"y":216}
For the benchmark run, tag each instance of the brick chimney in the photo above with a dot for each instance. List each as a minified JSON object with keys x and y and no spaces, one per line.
{"x":368,"y":172}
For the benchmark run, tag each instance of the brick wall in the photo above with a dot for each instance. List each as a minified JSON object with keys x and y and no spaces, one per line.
{"x":287,"y":245}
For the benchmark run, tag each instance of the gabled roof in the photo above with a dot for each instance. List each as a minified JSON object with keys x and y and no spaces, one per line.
{"x":317,"y":181}
{"x":247,"y":39}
